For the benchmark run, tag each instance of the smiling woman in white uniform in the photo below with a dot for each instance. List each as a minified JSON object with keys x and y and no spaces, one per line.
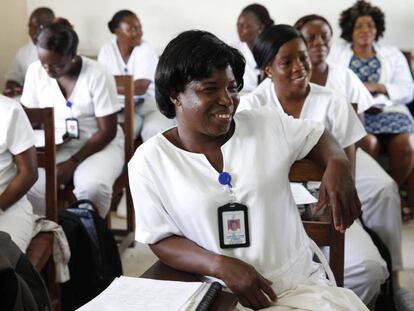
{"x":195,"y":180}
{"x":83,"y":94}
{"x":127,"y":53}
{"x":252,"y":20}
{"x":282,"y":54}
{"x":27,"y":54}
{"x":377,"y":191}
{"x":18,"y":172}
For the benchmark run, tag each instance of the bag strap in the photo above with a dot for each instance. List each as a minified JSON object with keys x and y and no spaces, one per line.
{"x":79,"y":203}
{"x":323,"y":261}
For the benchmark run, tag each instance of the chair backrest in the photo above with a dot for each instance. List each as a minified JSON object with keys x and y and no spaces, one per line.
{"x":322,"y":232}
{"x":127,"y":84}
{"x":46,"y":157}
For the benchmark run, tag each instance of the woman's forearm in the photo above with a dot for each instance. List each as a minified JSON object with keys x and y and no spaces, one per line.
{"x":183,"y":254}
{"x":26,"y":176}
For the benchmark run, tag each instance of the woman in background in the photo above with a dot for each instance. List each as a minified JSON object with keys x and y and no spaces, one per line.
{"x":377,"y":191}
{"x":251,"y":22}
{"x":18,"y":172}
{"x":83,"y":94}
{"x":128,"y":54}
{"x":385,"y":73}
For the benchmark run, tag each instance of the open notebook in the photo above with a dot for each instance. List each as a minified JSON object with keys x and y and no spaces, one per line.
{"x":131,"y":294}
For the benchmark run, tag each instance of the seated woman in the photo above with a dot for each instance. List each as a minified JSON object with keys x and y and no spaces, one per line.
{"x":26,"y":54}
{"x":83,"y":94}
{"x":282,"y":54}
{"x":385,"y":72}
{"x":252,"y":20}
{"x":128,"y":54}
{"x":18,"y":172}
{"x":377,"y":191}
{"x":217,"y":168}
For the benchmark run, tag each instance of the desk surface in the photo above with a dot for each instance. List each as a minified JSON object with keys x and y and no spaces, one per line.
{"x":158,"y":271}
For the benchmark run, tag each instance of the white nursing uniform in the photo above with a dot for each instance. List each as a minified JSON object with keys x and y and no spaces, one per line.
{"x":176,"y":192}
{"x":94,"y":95}
{"x":251,"y":71}
{"x":141,"y":64}
{"x":26,"y":55}
{"x":16,"y":136}
{"x":377,"y":191}
{"x":365,"y":270}
{"x":395,"y":73}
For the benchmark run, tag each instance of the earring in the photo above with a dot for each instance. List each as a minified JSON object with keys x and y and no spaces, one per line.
{"x":269,"y":76}
{"x":74,"y":59}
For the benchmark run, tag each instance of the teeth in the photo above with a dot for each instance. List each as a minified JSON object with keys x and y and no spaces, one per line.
{"x":223,"y":116}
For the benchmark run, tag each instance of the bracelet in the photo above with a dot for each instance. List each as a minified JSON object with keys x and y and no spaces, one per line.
{"x":75,"y":159}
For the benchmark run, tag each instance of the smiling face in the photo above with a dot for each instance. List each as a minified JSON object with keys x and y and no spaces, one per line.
{"x":207,"y":107}
{"x":56,"y":65}
{"x":318,"y":37}
{"x":364,"y":32}
{"x":129,"y":31}
{"x":248,"y":27}
{"x":291,"y":67}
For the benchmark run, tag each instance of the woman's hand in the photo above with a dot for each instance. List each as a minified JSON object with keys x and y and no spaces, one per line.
{"x":65,"y":171}
{"x":252,"y":289}
{"x":338,"y":190}
{"x":376,"y":88}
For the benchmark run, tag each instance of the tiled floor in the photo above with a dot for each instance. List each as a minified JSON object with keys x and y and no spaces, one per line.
{"x":138,"y":259}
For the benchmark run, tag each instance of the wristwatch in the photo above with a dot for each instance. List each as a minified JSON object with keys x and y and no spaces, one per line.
{"x":75,"y":159}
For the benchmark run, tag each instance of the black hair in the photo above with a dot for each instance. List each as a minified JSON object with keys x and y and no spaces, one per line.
{"x":261,"y":14}
{"x":58,"y":37}
{"x":361,"y":8}
{"x":46,"y":14}
{"x":311,"y":17}
{"x":192,"y":56}
{"x":113,"y":24}
{"x":269,"y":42}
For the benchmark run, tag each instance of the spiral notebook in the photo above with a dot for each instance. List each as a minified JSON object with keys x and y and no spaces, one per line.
{"x":131,"y":294}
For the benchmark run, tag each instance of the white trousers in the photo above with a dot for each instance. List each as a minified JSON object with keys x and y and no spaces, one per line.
{"x":316,"y":297}
{"x":18,"y":222}
{"x":364,"y":269}
{"x":93,"y":179}
{"x":380,"y":200}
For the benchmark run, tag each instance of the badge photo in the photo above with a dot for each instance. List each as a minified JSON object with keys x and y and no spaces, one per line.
{"x":72,"y":128}
{"x":233,"y":226}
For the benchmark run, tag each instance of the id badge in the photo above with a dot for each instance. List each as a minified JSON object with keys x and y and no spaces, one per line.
{"x":72,"y":128}
{"x":233,"y":226}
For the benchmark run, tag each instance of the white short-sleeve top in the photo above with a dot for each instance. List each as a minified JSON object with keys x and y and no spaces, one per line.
{"x":251,"y":71}
{"x":176,"y":192}
{"x":16,"y":136}
{"x":345,"y":82}
{"x":141,"y":63}
{"x":25,"y":56}
{"x":321,"y":104}
{"x":94,"y":95}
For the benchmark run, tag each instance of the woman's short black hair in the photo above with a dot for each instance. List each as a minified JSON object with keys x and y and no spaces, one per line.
{"x":261,"y":14}
{"x":311,"y":17}
{"x":113,"y":24}
{"x":269,"y":42}
{"x":361,"y":8}
{"x":192,"y":56}
{"x":58,"y":37}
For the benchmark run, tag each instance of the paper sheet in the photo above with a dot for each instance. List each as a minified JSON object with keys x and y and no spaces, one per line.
{"x":301,"y":195}
{"x":40,"y":138}
{"x":137,"y":99}
{"x":131,"y":294}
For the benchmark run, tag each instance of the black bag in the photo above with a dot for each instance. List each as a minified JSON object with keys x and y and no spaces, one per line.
{"x":95,"y":260}
{"x":21,"y":286}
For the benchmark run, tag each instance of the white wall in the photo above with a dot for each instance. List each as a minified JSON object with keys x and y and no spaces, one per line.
{"x":163,"y":19}
{"x":13,"y":33}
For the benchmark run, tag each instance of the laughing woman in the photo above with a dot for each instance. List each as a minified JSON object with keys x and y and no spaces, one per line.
{"x":191,"y":182}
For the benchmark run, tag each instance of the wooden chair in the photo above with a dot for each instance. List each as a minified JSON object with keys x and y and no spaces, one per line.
{"x":322,"y":232}
{"x":125,"y":237}
{"x":40,"y":248}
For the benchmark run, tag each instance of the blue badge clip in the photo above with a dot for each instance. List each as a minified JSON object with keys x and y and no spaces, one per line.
{"x":225,"y":179}
{"x":69,"y":104}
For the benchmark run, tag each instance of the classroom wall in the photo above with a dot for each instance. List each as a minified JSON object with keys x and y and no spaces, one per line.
{"x":163,"y":19}
{"x":13,"y":32}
